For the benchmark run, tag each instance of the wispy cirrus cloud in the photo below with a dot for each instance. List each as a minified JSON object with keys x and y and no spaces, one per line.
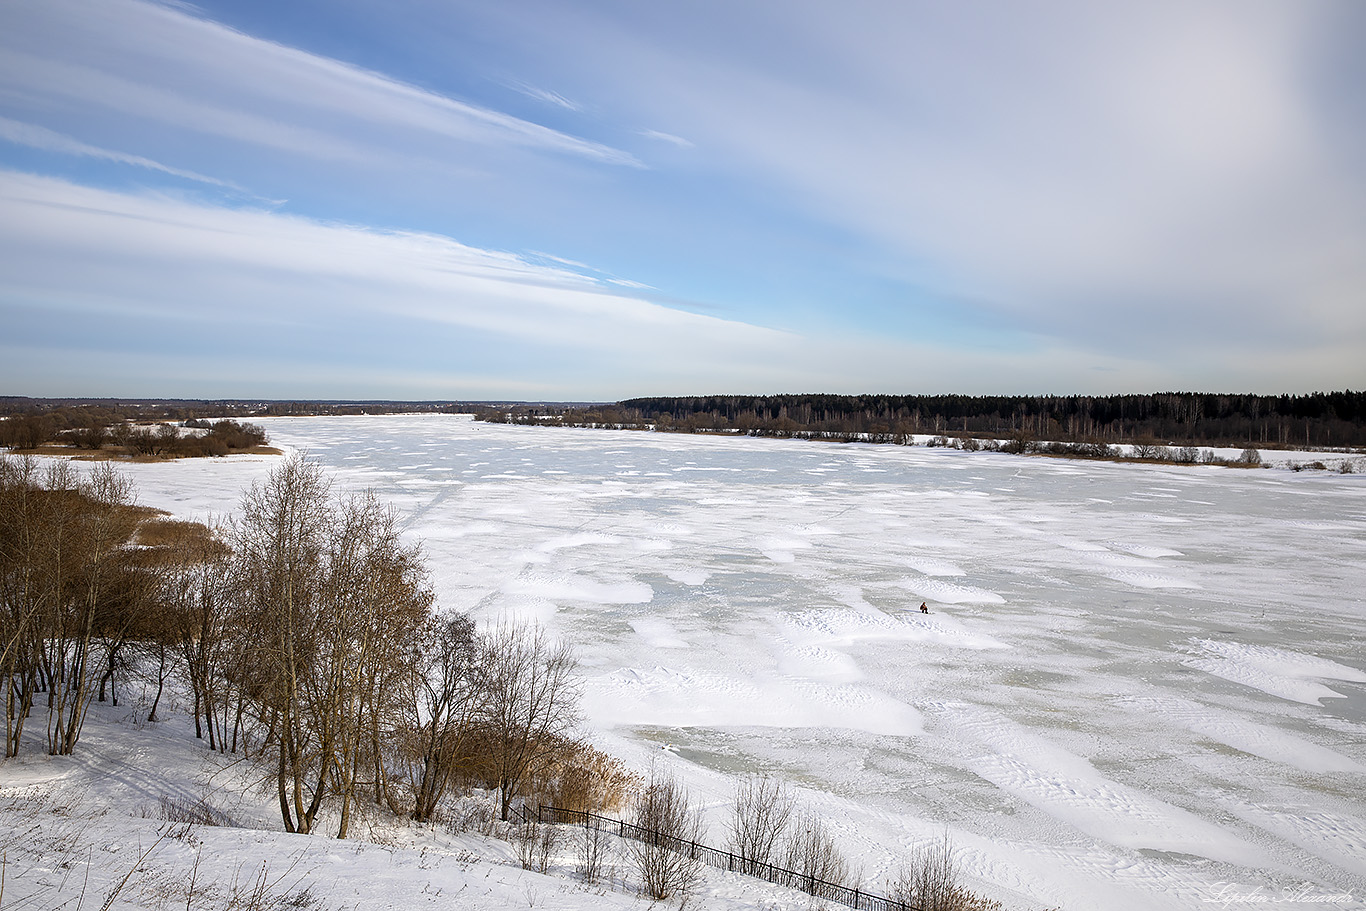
{"x":37,"y":137}
{"x":199,"y":277}
{"x":135,"y":293}
{"x":669,"y":138}
{"x":547,"y":96}
{"x":1164,"y":180}
{"x":115,"y":54}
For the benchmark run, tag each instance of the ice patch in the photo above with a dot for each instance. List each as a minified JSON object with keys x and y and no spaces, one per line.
{"x":1147,"y":580}
{"x":839,"y":626}
{"x":1069,"y":788}
{"x":1248,"y":736}
{"x":689,"y":576}
{"x":931,"y":567}
{"x":819,"y":663}
{"x":1338,"y":839}
{"x":949,"y":592}
{"x":1143,"y":550}
{"x":571,"y":587}
{"x":781,"y":550}
{"x":657,"y":632}
{"x":579,"y":540}
{"x":1277,"y":672}
{"x":683,"y":698}
{"x":1082,"y":546}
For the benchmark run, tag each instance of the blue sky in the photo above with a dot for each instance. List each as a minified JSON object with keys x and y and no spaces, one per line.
{"x":557,"y":200}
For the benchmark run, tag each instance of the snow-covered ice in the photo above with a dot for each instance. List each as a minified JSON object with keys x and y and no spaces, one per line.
{"x":1138,"y":684}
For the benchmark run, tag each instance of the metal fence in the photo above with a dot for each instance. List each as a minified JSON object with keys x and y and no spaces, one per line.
{"x":725,"y":860}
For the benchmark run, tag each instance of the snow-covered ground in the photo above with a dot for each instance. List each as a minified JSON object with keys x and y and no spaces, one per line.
{"x":1137,"y":687}
{"x":90,"y":831}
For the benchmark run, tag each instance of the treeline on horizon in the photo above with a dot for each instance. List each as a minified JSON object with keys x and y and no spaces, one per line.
{"x":1319,"y":419}
{"x":113,"y":410}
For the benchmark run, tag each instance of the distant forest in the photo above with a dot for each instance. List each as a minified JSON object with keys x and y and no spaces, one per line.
{"x":1316,"y":420}
{"x":108,"y":410}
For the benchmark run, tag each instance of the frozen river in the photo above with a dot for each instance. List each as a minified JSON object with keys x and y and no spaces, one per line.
{"x":1137,"y":687}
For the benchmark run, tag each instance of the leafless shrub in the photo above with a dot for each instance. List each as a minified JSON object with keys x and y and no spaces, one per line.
{"x":197,"y":812}
{"x":265,"y":894}
{"x":662,"y":855}
{"x":594,"y":848}
{"x":1250,"y":456}
{"x":760,"y":815}
{"x":471,"y":814}
{"x":524,"y":836}
{"x":928,"y":880}
{"x":1146,"y":448}
{"x":547,"y":842}
{"x":811,"y":851}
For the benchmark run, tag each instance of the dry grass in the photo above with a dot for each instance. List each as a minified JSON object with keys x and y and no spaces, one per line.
{"x":113,"y":453}
{"x":176,"y":533}
{"x":578,"y":776}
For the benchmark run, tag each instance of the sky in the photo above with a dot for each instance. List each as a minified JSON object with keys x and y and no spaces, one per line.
{"x":551,"y":200}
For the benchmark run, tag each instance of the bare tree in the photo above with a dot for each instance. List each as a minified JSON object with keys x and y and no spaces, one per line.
{"x":442,"y":709}
{"x":21,"y":520}
{"x":760,"y":815}
{"x":377,"y":604}
{"x":280,"y":543}
{"x":204,"y":626}
{"x":89,"y":574}
{"x":812,"y":852}
{"x":664,"y":850}
{"x":529,"y":697}
{"x":333,"y":604}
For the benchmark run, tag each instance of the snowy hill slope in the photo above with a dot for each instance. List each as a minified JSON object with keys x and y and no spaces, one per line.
{"x":89,"y":831}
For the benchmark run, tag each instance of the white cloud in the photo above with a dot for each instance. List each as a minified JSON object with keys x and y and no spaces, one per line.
{"x":42,"y":138}
{"x":116,"y":54}
{"x":145,"y":260}
{"x":547,"y":96}
{"x":1133,"y":176}
{"x":265,"y":301}
{"x":669,"y":138}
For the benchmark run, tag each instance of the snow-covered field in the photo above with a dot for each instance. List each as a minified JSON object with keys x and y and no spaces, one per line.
{"x":1138,"y":686}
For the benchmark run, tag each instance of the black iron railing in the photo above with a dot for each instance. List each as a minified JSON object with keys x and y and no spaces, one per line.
{"x":726,"y":860}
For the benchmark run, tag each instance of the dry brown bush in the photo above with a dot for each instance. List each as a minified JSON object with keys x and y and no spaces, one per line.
{"x":577,"y":776}
{"x":178,"y":536}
